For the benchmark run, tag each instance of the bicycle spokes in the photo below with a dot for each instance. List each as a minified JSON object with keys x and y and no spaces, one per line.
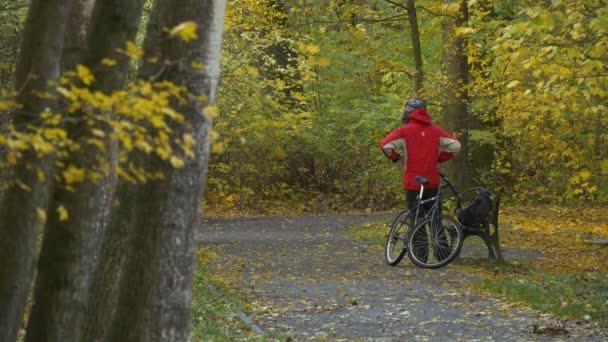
{"x":435,"y":242}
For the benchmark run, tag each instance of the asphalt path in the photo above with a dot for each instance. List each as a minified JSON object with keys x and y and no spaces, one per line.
{"x":305,"y":279}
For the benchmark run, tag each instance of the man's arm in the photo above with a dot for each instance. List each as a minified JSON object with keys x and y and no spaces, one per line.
{"x":392,"y":143}
{"x":448,"y":146}
{"x":444,"y":157}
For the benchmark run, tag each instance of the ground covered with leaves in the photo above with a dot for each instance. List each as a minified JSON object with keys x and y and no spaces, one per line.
{"x":569,"y":276}
{"x":318,"y":278}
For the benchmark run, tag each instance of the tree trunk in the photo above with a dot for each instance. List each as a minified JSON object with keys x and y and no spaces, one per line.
{"x":69,"y":251}
{"x":106,"y":278}
{"x":106,"y":284}
{"x":39,"y":63}
{"x":455,"y":116}
{"x":75,"y":33}
{"x":155,"y":297}
{"x":415,"y":37}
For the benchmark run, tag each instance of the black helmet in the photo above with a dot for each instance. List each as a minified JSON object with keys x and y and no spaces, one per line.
{"x":411,"y":106}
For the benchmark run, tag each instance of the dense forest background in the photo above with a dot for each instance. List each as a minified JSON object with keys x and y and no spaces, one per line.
{"x":309,"y":89}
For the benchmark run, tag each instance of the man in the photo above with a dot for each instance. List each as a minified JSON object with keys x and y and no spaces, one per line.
{"x":424,"y":146}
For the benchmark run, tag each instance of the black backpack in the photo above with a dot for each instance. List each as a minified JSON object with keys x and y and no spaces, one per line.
{"x":476,"y":213}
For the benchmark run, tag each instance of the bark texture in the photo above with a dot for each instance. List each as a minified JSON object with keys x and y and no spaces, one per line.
{"x":154,"y":302}
{"x":70,"y":247}
{"x":39,"y":63}
{"x":106,"y":278}
{"x":455,"y":116}
{"x":75,"y":33}
{"x":415,"y":37}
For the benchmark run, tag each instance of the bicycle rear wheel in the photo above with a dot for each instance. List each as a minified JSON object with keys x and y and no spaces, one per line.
{"x":435,"y":242}
{"x":394,"y":250}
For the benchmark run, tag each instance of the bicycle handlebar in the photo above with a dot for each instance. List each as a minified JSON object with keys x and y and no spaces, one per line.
{"x":448,"y":183}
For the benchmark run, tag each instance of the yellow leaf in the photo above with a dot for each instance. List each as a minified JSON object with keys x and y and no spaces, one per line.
{"x":176,"y":162}
{"x":464,"y":30}
{"x":198,"y":66}
{"x":41,"y":214}
{"x":126,"y":142}
{"x":452,"y":8}
{"x":189,"y":143}
{"x":73,"y":175}
{"x":189,"y":140}
{"x":84,"y":74}
{"x":109,"y":62}
{"x":211,"y":112}
{"x":186,"y":31}
{"x":133,"y":51}
{"x":253,"y":71}
{"x":172,"y":114}
{"x":63,"y":213}
{"x":98,"y":133}
{"x":512,"y":84}
{"x":146,"y":88}
{"x":97,"y":143}
{"x":157,"y":121}
{"x":40,"y":175}
{"x":54,"y":134}
{"x":63,"y":91}
{"x":218,"y":148}
{"x":163,"y":152}
{"x":144,"y":146}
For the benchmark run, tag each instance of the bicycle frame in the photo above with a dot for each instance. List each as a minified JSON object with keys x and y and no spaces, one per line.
{"x":432,"y":240}
{"x":435,"y":210}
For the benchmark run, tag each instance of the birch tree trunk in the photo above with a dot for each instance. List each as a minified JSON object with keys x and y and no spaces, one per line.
{"x":38,"y":64}
{"x":70,"y":247}
{"x":455,"y":116}
{"x":155,"y":297}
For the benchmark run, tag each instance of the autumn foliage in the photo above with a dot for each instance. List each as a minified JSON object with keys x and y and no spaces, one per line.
{"x":565,"y":236}
{"x":308,"y":91}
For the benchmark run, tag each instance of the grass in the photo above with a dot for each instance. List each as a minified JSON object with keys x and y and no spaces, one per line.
{"x":579,"y":297}
{"x":575,"y":296}
{"x":215,"y":308}
{"x":569,"y":282}
{"x":372,"y":232}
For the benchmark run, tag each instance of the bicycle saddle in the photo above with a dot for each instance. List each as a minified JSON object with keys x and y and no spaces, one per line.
{"x":422,"y":180}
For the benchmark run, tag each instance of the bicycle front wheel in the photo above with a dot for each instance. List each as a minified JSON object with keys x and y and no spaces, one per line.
{"x":435,"y":242}
{"x":394,"y":250}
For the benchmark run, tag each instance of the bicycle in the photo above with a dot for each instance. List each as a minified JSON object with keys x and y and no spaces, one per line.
{"x":431,"y":240}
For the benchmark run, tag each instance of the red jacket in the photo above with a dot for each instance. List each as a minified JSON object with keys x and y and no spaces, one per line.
{"x":424,"y":145}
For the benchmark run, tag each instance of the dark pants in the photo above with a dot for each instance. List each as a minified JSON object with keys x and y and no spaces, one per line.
{"x":410,"y":196}
{"x":421,"y":250}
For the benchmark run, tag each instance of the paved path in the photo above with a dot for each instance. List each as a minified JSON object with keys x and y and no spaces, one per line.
{"x":307,"y":281}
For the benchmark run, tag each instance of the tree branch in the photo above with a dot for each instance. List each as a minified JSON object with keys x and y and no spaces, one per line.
{"x":434,"y":13}
{"x":394,"y":3}
{"x":387,"y":19}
